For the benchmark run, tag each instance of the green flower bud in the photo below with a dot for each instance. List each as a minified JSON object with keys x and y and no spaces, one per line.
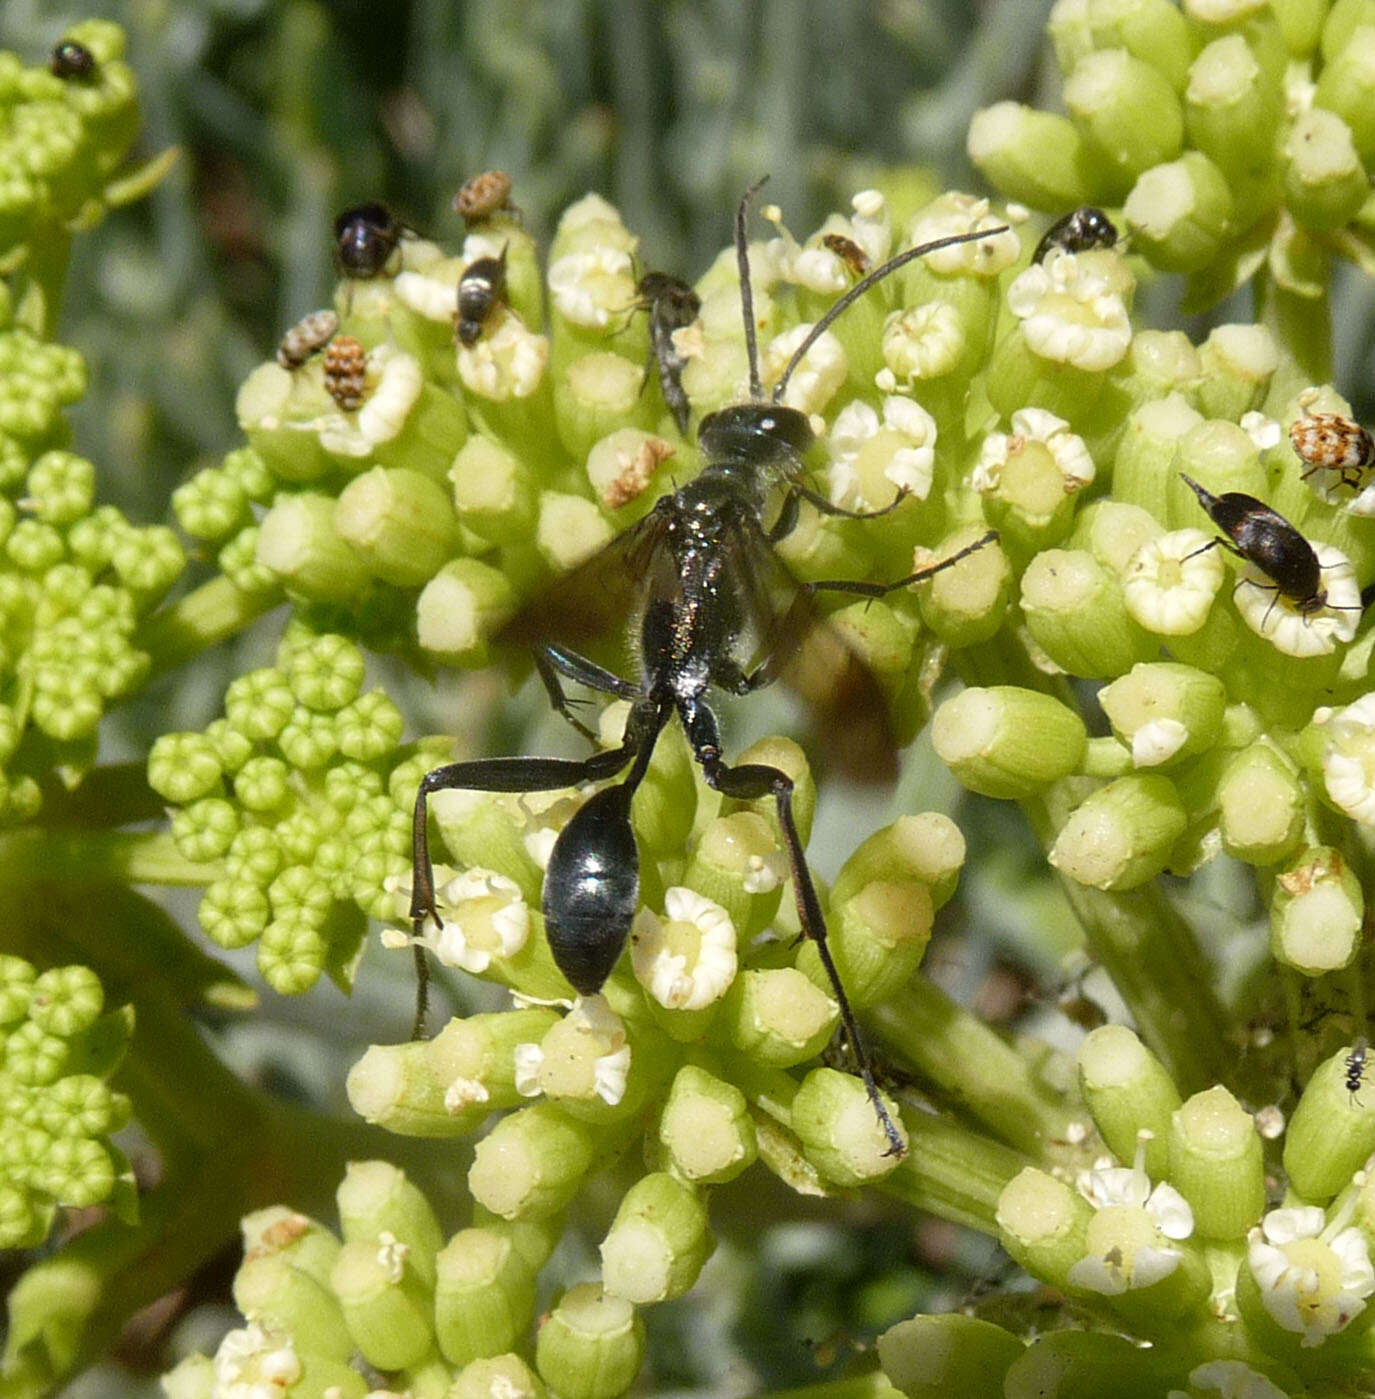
{"x":877,"y":938}
{"x":1180,"y":213}
{"x":205,"y":829}
{"x":400,"y":522}
{"x":706,"y":1128}
{"x":1331,"y":1134}
{"x":308,"y":740}
{"x":324,"y":673}
{"x":1315,"y":912}
{"x":591,"y":1345}
{"x":1215,"y":1163}
{"x":211,"y":505}
{"x":1325,"y":183}
{"x":249,"y":472}
{"x":928,"y":847}
{"x":182,"y":767}
{"x":1042,"y":1224}
{"x":493,"y":491}
{"x":1232,"y":107}
{"x":34,"y":547}
{"x":1127,"y":111}
{"x":238,"y":561}
{"x":1165,"y":712}
{"x":1008,"y":742}
{"x":506,"y":1375}
{"x":1076,"y":612}
{"x":291,"y":954}
{"x":738,"y":864}
{"x":460,"y":608}
{"x":274,"y":1293}
{"x":779,"y":1016}
{"x":1346,"y":86}
{"x":369,"y":727}
{"x":839,"y":1129}
{"x":484,"y":1296}
{"x":570,"y":529}
{"x":1129,"y":1093}
{"x":657,"y":1243}
{"x":596,"y":394}
{"x":374,"y":1198}
{"x":930,"y":1357}
{"x":262,"y":784}
{"x":1122,"y":835}
{"x":148,"y":560}
{"x":299,"y":543}
{"x":1261,"y":804}
{"x":531,"y":1163}
{"x":966,"y":603}
{"x":1237,"y":362}
{"x":1082,"y":1363}
{"x":1152,"y":30}
{"x":61,"y":488}
{"x":233,"y":912}
{"x":1035,"y":157}
{"x":386,"y":1305}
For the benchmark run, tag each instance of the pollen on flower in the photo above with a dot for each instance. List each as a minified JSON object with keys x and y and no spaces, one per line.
{"x":463,"y":1093}
{"x":1169,"y":585}
{"x":1284,"y":623}
{"x":687,"y":959}
{"x":1313,"y":1277}
{"x":1071,"y":312}
{"x":865,"y":450}
{"x":255,"y":1362}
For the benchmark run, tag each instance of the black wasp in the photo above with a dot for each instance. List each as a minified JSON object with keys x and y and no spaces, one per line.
{"x":715,"y":609}
{"x":365,"y":237}
{"x":1081,"y":229}
{"x":481,"y":286}
{"x":70,"y":59}
{"x":671,"y":304}
{"x":1265,"y":538}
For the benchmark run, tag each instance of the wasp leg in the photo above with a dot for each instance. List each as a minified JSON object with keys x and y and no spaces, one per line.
{"x":877,"y":590}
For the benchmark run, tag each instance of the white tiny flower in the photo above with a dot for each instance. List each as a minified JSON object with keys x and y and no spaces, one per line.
{"x":1071,"y":312}
{"x":1171,"y":582}
{"x":904,"y":442}
{"x":1065,"y":448}
{"x":920,"y":342}
{"x":1264,"y":431}
{"x":1348,"y":759}
{"x":585,"y":1053}
{"x":1270,"y":1122}
{"x":592,"y":287}
{"x":764,"y":873}
{"x":1157,"y":742}
{"x":590,"y":209}
{"x":1313,"y":1277}
{"x":529,"y":1058}
{"x":255,"y":1362}
{"x":871,"y":226}
{"x":507,"y":362}
{"x":687,"y":959}
{"x":391,"y":1255}
{"x":1273,"y":616}
{"x":1231,"y":1379}
{"x":484,"y":915}
{"x":955,"y":213}
{"x":814,"y":382}
{"x":432,"y":294}
{"x":545,"y":815}
{"x":395,"y":381}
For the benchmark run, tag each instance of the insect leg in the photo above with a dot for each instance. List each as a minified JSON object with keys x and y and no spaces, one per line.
{"x":553,"y":661}
{"x":786,"y":522}
{"x":877,"y":590}
{"x":748,"y":782}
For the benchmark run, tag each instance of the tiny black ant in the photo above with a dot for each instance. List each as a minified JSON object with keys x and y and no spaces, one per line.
{"x":716,"y":610}
{"x":481,"y":286}
{"x":364,"y":239}
{"x":71,"y":60}
{"x":1265,"y":538}
{"x":1355,"y":1067}
{"x":671,"y":304}
{"x":1081,"y":229}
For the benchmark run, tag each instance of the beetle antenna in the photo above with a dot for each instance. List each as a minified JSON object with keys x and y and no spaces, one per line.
{"x":860,"y":287}
{"x":742,"y":258}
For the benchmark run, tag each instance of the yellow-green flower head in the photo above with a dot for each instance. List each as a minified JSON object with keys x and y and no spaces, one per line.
{"x":686,"y":959}
{"x":896,"y":444}
{"x":955,"y":213}
{"x":1314,"y":1277}
{"x":815,"y":381}
{"x":1348,"y":759}
{"x":255,"y":1362}
{"x":1171,"y":581}
{"x":1033,"y":429}
{"x":819,"y":268}
{"x":483,"y":915}
{"x":1072,"y":311}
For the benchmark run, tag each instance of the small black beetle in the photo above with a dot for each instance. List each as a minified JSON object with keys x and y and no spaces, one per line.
{"x":1081,"y":229}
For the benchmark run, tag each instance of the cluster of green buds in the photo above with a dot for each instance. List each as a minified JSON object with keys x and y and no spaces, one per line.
{"x":58,"y":1045}
{"x":1227,"y":132}
{"x":293,"y":807}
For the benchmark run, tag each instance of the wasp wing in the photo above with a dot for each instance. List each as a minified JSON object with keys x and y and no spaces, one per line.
{"x":598,"y":597}
{"x":794,"y":642}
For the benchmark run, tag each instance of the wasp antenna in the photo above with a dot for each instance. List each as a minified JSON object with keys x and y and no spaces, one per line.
{"x":742,"y":258}
{"x":860,"y":287}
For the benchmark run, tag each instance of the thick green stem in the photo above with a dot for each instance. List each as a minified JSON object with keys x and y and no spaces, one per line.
{"x":203,"y":618}
{"x":139,"y":857}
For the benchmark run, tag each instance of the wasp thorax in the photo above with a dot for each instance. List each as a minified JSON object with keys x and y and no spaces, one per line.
{"x":760,"y":432}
